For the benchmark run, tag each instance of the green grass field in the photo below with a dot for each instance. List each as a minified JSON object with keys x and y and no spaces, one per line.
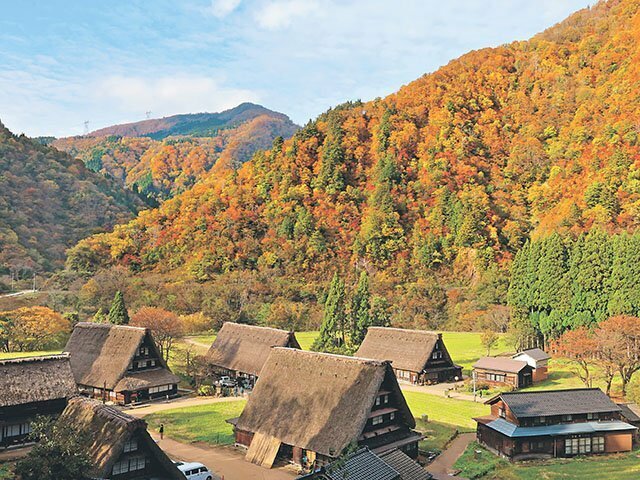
{"x":486,"y":466}
{"x":305,"y":339}
{"x":456,"y":413}
{"x":6,"y":471}
{"x":466,"y":348}
{"x":203,"y":423}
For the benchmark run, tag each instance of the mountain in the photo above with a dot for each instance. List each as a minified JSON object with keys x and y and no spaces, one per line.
{"x":160,"y":158}
{"x":48,"y":202}
{"x":444,"y":180}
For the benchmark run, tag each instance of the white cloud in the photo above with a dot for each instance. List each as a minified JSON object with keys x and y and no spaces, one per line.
{"x":281,"y":13}
{"x":222,"y":8}
{"x":171,"y":94}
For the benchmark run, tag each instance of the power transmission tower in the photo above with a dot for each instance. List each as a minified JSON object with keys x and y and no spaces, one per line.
{"x":86,"y":127}
{"x":148,"y":114}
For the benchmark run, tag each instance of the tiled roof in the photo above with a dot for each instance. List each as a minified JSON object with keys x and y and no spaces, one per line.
{"x":405,"y":466}
{"x":361,"y":465}
{"x":535,"y":353}
{"x":558,"y":402}
{"x":500,"y":364}
{"x":630,"y":411}
{"x":513,"y":431}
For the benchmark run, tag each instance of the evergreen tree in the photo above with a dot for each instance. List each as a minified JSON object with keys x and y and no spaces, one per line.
{"x":360,"y":310}
{"x":331,"y":176}
{"x":118,"y":314}
{"x":380,"y":316}
{"x":100,"y":316}
{"x":625,"y":275}
{"x":331,"y":335}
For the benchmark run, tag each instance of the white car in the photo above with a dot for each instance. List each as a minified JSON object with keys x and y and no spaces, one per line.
{"x":195,"y":471}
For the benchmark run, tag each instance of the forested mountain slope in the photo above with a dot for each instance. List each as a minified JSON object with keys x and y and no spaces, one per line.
{"x":453,"y":173}
{"x":163,"y":157}
{"x":48,"y":202}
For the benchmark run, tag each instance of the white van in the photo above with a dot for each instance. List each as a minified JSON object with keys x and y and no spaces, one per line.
{"x":195,"y":471}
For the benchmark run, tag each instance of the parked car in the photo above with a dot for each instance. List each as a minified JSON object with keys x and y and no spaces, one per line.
{"x":227,"y":382}
{"x":194,"y":471}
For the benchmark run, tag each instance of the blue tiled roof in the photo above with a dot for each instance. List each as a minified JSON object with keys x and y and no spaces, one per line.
{"x":513,"y":431}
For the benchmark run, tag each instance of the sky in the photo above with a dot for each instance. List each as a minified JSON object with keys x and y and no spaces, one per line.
{"x":63,"y":63}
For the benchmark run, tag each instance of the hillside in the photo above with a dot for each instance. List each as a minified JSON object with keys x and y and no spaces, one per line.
{"x":160,"y":158}
{"x":48,"y":202}
{"x":451,"y":174}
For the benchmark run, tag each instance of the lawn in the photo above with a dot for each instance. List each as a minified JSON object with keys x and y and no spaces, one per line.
{"x":438,"y":435}
{"x":487,"y":466}
{"x":466,"y":348}
{"x":305,"y":339}
{"x":203,"y":423}
{"x":457,"y":413}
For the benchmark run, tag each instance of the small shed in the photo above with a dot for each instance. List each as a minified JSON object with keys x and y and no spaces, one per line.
{"x":503,"y":371}
{"x":539,"y":361}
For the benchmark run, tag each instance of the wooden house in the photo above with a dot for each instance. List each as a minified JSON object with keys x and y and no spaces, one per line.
{"x":554,"y":423}
{"x":417,"y":356}
{"x":307,"y":407}
{"x":631,"y":414}
{"x":119,"y":363}
{"x":120,"y":448}
{"x":363,"y":464}
{"x":497,"y":371}
{"x":31,"y":386}
{"x":538,"y":359}
{"x":241,"y":350}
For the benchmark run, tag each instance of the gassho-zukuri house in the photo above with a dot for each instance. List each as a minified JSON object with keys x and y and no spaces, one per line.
{"x":241,"y":350}
{"x":32,"y":386}
{"x":554,"y":423}
{"x":307,"y":407}
{"x":119,"y":363}
{"x":417,"y":356}
{"x":119,"y":445}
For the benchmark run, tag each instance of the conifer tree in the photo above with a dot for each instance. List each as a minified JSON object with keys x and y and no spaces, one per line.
{"x":360,"y":311}
{"x":333,"y":322}
{"x":118,"y":314}
{"x":100,"y":316}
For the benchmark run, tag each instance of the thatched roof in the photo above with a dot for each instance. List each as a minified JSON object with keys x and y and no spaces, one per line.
{"x":405,"y":349}
{"x":146,"y":379}
{"x":108,"y":429}
{"x":245,"y":348}
{"x":35,"y":379}
{"x":101,"y":353}
{"x":318,"y":401}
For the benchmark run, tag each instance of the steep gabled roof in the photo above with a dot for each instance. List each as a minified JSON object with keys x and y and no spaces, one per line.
{"x":35,"y":379}
{"x":245,"y":348}
{"x":500,"y":364}
{"x":101,"y":353}
{"x":317,"y":401}
{"x":536,"y":353}
{"x":108,"y":429}
{"x":557,"y":402}
{"x":405,"y":349}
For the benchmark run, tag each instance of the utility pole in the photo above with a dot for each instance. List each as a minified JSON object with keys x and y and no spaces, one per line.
{"x":148,"y":114}
{"x":474,"y":375}
{"x":34,"y":281}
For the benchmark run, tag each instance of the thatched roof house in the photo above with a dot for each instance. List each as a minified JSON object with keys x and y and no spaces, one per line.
{"x":243,"y":349}
{"x":119,"y":443}
{"x":31,"y":386}
{"x":309,"y":406}
{"x":119,"y":362}
{"x":417,"y":356}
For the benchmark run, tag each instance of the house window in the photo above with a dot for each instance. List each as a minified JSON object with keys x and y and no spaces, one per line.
{"x":392,"y":416}
{"x":496,"y":377}
{"x":376,"y":420}
{"x":378,"y":400}
{"x":592,"y":416}
{"x":131,"y":445}
{"x":129,"y":465}
{"x":436,"y":355}
{"x":137,"y":463}
{"x":143,"y":351}
{"x":571,"y":446}
{"x":386,"y":399}
{"x":16,"y":430}
{"x":501,"y":412}
{"x":567,"y":418}
{"x":597,"y":444}
{"x":584,"y":445}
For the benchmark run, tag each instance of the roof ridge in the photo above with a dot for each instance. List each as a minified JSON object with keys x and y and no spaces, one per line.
{"x":411,"y":330}
{"x":553,"y":391}
{"x":246,"y":325}
{"x":366,"y":361}
{"x":108,"y":325}
{"x":35,"y":358}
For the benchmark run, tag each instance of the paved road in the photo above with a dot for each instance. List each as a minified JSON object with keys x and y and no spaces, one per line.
{"x":17,"y":294}
{"x":443,"y":464}
{"x":228,"y":463}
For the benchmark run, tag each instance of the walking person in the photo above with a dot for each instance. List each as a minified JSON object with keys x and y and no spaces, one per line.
{"x":161,"y":431}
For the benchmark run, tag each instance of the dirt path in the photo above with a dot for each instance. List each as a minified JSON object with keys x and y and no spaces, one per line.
{"x":226,"y":462}
{"x":443,"y":464}
{"x":183,"y":402}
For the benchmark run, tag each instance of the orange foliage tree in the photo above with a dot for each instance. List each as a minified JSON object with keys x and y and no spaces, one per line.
{"x":166,"y":326}
{"x":32,"y":328}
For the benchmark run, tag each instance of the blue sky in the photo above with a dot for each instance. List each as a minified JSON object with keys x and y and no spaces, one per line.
{"x":64,"y":62}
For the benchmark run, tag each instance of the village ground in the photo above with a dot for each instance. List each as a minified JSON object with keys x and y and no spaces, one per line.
{"x":441,"y":412}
